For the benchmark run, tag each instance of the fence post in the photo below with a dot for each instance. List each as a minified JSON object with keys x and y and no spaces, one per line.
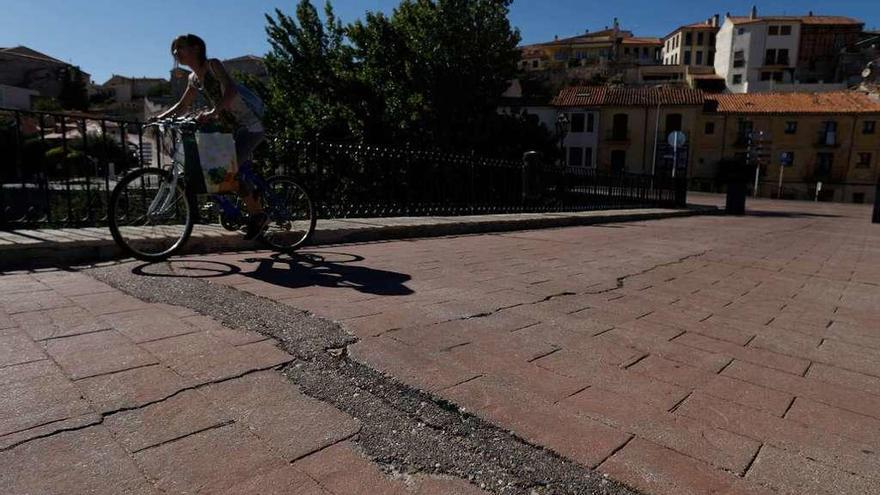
{"x":530,"y":159}
{"x":876,"y":218}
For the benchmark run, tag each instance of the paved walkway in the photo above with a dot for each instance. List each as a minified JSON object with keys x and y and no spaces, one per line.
{"x":697,"y":355}
{"x":102,"y":393}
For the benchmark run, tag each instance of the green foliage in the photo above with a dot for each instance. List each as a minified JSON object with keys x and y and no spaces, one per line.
{"x":74,"y":95}
{"x":44,"y":104}
{"x":429,"y":75}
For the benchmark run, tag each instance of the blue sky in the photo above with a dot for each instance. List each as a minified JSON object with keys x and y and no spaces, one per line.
{"x":132,"y":38}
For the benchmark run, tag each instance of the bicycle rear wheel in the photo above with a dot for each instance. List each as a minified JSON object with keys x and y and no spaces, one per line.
{"x":150,"y":218}
{"x":291,"y":214}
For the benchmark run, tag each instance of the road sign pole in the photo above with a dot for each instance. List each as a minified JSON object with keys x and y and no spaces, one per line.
{"x":781,"y":171}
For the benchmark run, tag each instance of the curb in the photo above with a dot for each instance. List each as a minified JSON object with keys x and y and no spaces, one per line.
{"x":67,"y":247}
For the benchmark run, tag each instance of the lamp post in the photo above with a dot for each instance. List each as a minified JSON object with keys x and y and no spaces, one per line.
{"x":562,"y":127}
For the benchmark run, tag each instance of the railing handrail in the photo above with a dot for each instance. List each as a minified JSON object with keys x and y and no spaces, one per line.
{"x":74,"y":115}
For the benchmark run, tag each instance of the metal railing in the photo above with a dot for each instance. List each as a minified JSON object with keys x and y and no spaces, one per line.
{"x":57,"y":170}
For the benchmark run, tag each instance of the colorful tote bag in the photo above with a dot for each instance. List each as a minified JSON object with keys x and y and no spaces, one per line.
{"x":218,"y":161}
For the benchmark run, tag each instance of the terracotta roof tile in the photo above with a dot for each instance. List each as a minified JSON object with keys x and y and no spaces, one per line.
{"x":636,"y":40}
{"x":594,"y":96}
{"x":833,"y":20}
{"x":793,"y":103}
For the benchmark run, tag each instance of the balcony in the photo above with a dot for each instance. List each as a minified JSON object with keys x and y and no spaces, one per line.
{"x":827,"y":140}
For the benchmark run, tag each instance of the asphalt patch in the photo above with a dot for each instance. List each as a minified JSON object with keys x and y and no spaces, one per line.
{"x":404,"y":430}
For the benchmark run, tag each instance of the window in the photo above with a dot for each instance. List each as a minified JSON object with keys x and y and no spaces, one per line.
{"x":534,"y":64}
{"x":785,"y":30}
{"x":782,"y":56}
{"x":620,"y":126}
{"x":744,"y":130}
{"x":699,"y":60}
{"x":710,"y":60}
{"x":588,"y":158}
{"x":770,"y":57}
{"x":869,"y":127}
{"x":773,"y":31}
{"x":618,"y":161}
{"x":626,"y":51}
{"x":864,"y":160}
{"x":765,"y":76}
{"x":687,"y":57}
{"x":673,"y":122}
{"x":575,"y":156}
{"x":700,"y":38}
{"x":711,"y":39}
{"x":739,"y":59}
{"x":688,"y":39}
{"x":824,"y":163}
{"x":741,"y":31}
{"x":771,"y":76}
{"x":737,"y":79}
{"x":710,"y":128}
{"x":591,"y":122}
{"x":859,"y":198}
{"x":578,"y":122}
{"x":791,"y":127}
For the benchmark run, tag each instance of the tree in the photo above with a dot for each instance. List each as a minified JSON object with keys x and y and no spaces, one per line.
{"x":429,"y":75}
{"x":74,"y":95}
{"x":306,"y":64}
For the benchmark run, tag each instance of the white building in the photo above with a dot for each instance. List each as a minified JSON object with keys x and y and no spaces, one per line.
{"x":755,"y":54}
{"x":17,"y":98}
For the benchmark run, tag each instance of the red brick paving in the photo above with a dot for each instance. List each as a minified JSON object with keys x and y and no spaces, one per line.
{"x":102,"y":393}
{"x":734,"y":355}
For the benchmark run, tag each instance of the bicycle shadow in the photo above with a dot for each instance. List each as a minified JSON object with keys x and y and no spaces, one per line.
{"x":326,"y":269}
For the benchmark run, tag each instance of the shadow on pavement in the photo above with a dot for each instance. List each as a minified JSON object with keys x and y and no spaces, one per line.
{"x":186,"y":268}
{"x":787,"y":214}
{"x":327,"y":270}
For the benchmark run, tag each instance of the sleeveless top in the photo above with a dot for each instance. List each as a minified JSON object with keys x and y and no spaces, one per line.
{"x":245,"y":110}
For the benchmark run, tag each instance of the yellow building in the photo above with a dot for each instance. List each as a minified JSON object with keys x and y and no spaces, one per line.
{"x":635,"y":122}
{"x":598,"y":49}
{"x":810,"y":138}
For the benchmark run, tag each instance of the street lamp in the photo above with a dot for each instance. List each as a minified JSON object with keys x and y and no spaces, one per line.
{"x":562,"y":127}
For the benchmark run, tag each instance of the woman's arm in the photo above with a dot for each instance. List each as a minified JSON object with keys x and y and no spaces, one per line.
{"x":226,"y":85}
{"x":183,"y":105}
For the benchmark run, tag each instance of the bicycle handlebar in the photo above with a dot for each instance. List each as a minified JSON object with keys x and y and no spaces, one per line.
{"x":174,"y":122}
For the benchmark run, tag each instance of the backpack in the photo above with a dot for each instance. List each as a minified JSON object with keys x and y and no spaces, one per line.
{"x":251,"y":100}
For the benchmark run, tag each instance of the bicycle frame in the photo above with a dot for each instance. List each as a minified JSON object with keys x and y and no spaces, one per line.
{"x":221,"y":202}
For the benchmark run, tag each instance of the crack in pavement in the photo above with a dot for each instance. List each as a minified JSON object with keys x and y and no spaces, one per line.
{"x":402,"y":429}
{"x":101,"y":416}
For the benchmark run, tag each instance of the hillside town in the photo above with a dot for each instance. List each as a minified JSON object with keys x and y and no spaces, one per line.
{"x":807,"y":83}
{"x":430,"y":247}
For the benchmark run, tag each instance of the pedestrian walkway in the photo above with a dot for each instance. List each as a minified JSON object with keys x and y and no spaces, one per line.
{"x":101,"y":392}
{"x":23,"y":249}
{"x":695,"y":355}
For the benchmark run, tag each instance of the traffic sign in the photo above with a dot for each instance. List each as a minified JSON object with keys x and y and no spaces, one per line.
{"x":676,"y":139}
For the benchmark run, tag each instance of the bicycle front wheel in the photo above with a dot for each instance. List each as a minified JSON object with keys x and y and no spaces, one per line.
{"x":291,"y":214}
{"x":150,"y":216}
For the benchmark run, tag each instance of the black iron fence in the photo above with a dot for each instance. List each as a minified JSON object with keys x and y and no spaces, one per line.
{"x":57,"y":170}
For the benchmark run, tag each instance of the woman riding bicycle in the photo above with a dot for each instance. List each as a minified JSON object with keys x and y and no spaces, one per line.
{"x":233,"y":105}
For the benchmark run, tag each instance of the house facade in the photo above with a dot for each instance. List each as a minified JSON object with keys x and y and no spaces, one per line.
{"x":828,"y":137}
{"x":783,"y":53}
{"x":631,"y":126}
{"x":23,"y":67}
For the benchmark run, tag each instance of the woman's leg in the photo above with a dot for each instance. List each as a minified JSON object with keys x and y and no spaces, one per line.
{"x":245,"y":144}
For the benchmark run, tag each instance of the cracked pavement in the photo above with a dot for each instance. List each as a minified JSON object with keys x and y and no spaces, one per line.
{"x":698,"y":355}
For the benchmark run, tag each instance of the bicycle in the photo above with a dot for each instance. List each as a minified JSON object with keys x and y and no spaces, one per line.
{"x":152,"y":210}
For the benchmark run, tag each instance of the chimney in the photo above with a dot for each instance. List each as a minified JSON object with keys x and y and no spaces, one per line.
{"x":616,"y":24}
{"x":810,"y":14}
{"x":555,"y":37}
{"x":754,"y":14}
{"x":715,"y":20}
{"x":727,"y":15}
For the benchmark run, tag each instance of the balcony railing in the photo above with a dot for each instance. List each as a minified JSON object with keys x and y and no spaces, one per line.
{"x":57,"y":170}
{"x":827,"y":139}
